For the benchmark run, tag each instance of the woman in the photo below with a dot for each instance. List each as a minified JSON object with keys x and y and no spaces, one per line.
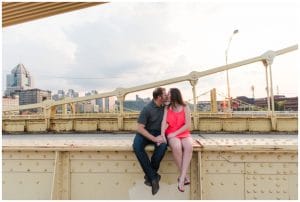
{"x":175,"y":126}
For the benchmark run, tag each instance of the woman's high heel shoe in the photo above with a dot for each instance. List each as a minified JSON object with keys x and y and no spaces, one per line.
{"x":186,"y":181}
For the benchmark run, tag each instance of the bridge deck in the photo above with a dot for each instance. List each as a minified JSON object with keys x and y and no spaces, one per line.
{"x":123,"y":142}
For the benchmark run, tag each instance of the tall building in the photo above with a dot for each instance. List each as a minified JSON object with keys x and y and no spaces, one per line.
{"x":19,"y":79}
{"x":32,"y":96}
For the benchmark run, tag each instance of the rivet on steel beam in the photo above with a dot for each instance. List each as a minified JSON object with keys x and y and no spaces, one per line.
{"x":125,"y":170}
{"x":38,"y":182}
{"x":248,"y":191}
{"x":117,"y":183}
{"x":278,"y":198}
{"x":212,"y":184}
{"x":81,"y":183}
{"x":254,"y":191}
{"x":255,"y":156}
{"x":45,"y":170}
{"x":133,"y":164}
{"x":99,"y":182}
{"x":284,"y":178}
{"x":28,"y":170}
{"x":234,"y":183}
{"x":255,"y":197}
{"x":270,"y":191}
{"x":222,"y":183}
{"x":254,"y":184}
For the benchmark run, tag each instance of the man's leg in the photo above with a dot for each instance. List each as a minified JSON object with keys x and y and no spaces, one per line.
{"x":139,"y":145}
{"x":158,"y":154}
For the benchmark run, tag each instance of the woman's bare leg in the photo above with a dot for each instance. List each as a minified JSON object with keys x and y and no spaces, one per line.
{"x":186,"y":156}
{"x":176,"y":147}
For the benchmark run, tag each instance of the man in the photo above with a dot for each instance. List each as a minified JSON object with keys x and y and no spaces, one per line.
{"x":149,"y":132}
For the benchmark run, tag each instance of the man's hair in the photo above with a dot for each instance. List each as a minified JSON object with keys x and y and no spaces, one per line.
{"x":158,"y":92}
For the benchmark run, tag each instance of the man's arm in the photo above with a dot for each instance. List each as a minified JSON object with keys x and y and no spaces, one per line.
{"x":141,"y":129}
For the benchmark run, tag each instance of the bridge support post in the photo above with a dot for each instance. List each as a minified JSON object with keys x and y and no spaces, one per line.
{"x":194,"y":82}
{"x":268,"y":61}
{"x":213,"y":101}
{"x":121,"y":98}
{"x":61,"y":177}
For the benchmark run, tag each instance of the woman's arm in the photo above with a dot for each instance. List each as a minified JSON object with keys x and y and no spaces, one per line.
{"x":186,"y":126}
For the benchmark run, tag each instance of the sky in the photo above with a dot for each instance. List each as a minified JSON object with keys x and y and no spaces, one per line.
{"x":124,"y":44}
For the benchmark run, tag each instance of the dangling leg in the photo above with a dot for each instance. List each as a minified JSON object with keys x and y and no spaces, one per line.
{"x":186,"y":156}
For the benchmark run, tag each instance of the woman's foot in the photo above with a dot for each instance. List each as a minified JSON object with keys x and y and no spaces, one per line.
{"x":180,"y":185}
{"x":186,"y":181}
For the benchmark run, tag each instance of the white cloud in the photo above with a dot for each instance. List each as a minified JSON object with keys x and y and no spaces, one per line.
{"x":128,"y":44}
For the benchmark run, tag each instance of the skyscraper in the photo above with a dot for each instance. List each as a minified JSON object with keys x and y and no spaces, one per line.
{"x":19,"y":79}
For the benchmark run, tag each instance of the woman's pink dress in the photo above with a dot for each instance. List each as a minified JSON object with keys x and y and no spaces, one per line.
{"x":176,"y":120}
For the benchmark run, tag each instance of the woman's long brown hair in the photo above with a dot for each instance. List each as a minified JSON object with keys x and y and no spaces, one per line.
{"x":176,"y":97}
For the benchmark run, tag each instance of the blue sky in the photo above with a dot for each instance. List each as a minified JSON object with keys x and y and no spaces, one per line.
{"x":123,"y":44}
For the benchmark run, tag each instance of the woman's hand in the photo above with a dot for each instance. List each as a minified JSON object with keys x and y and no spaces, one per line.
{"x":171,"y":135}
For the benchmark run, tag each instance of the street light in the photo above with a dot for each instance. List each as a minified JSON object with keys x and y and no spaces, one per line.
{"x":226,"y":57}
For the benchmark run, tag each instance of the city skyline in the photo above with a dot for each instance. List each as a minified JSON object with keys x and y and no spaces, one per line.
{"x":118,"y":45}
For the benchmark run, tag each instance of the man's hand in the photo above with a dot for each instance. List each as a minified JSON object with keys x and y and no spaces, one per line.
{"x":159,"y":140}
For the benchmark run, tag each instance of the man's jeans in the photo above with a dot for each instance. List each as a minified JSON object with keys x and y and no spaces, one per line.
{"x":150,"y":167}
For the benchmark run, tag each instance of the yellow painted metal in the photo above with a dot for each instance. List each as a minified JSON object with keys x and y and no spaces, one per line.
{"x":127,"y":122}
{"x":222,"y":167}
{"x":19,"y":12}
{"x":213,"y":101}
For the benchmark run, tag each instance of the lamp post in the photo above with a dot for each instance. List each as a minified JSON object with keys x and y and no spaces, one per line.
{"x":226,"y":59}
